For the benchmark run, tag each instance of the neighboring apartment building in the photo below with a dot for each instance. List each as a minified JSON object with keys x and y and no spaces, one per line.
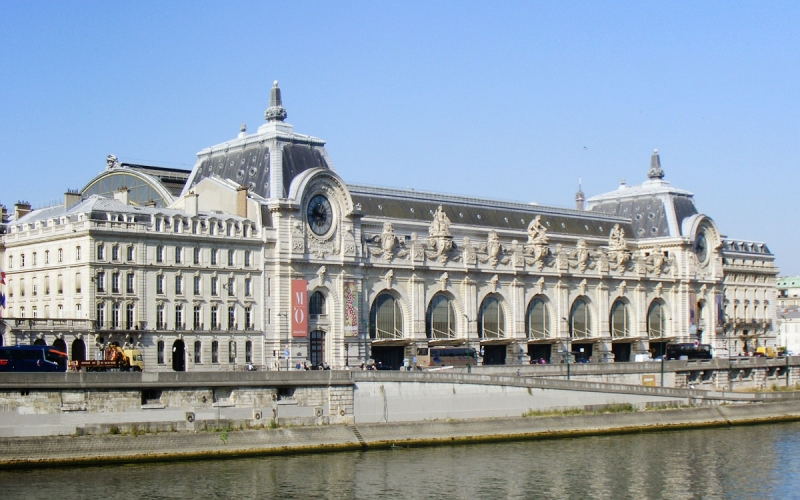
{"x":788,"y":290}
{"x":336,"y":273}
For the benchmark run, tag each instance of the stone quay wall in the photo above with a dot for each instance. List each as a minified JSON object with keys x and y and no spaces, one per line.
{"x":107,"y":449}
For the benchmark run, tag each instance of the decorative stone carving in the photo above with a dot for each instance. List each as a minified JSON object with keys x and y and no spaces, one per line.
{"x":659,"y":288}
{"x":417,"y":249}
{"x":321,"y":249}
{"x":562,"y":259}
{"x":540,"y":285}
{"x":440,"y":226}
{"x":492,"y":248}
{"x":439,"y":240}
{"x":387,"y":278}
{"x":622,"y":287}
{"x":658,"y":263}
{"x":582,"y":286}
{"x":517,"y":255}
{"x":443,"y":281}
{"x":493,"y":283}
{"x":321,"y":274}
{"x":349,"y":243}
{"x":387,"y":242}
{"x":618,"y":253}
{"x":468,"y":252}
{"x":298,"y":238}
{"x":581,"y":258}
{"x":537,"y":233}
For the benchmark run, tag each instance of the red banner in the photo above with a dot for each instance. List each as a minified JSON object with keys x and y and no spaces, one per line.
{"x":299,"y":308}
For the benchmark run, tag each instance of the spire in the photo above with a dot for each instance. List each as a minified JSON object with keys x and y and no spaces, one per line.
{"x":275,"y":111}
{"x":655,"y":171}
{"x":579,"y":197}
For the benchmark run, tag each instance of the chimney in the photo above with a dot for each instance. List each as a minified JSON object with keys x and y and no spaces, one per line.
{"x":191,"y":203}
{"x":241,"y":201}
{"x":70,"y":198}
{"x":21,"y":209}
{"x":122,"y":195}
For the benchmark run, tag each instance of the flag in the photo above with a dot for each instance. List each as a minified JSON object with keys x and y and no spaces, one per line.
{"x":2,"y":300}
{"x":2,"y":277}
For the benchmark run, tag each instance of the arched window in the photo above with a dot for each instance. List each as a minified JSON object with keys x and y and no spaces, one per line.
{"x":620,"y":320}
{"x":78,"y":350}
{"x":656,"y":320}
{"x":316,"y":305}
{"x":491,"y":319}
{"x":537,"y":324}
{"x":386,"y":318}
{"x":580,"y":320}
{"x":440,"y":322}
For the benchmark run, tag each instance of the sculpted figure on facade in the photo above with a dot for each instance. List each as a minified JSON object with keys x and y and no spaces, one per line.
{"x":618,"y":253}
{"x":440,"y":225}
{"x":439,"y":240}
{"x":537,"y":233}
{"x":536,"y":249}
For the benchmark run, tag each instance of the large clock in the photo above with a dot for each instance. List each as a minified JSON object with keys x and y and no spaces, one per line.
{"x":701,"y":247}
{"x":319,"y":214}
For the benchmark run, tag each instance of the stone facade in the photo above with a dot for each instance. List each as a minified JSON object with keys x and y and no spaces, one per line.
{"x":329,"y":273}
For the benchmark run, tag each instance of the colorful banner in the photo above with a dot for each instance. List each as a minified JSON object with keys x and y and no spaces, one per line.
{"x":350,"y":309}
{"x":299,"y":308}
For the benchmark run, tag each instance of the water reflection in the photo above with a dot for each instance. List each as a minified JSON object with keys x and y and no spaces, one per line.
{"x":737,"y":463}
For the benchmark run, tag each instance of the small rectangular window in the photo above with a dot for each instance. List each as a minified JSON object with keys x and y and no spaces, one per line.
{"x":215,"y":352}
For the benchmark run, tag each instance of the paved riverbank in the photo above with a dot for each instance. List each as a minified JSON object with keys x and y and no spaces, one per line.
{"x":183,"y":443}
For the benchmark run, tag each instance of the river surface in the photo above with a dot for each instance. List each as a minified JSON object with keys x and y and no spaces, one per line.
{"x":751,"y":462}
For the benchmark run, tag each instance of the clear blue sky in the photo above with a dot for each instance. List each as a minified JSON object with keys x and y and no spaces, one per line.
{"x":508,"y":100}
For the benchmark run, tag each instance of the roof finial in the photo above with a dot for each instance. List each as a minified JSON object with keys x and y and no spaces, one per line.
{"x":655,"y":171}
{"x":579,"y":197}
{"x":275,"y":111}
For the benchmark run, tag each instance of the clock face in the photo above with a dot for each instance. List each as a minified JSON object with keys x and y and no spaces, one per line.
{"x":319,"y":214}
{"x":701,"y":248}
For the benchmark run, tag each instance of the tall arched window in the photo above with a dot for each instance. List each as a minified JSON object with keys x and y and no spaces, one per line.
{"x":656,"y":320}
{"x":491,"y":319}
{"x":537,"y":324}
{"x":386,"y":318}
{"x":580,"y":320}
{"x":440,"y":322}
{"x":316,"y":304}
{"x":620,"y":320}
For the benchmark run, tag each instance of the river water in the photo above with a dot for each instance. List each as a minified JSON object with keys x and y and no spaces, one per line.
{"x":732,"y":463}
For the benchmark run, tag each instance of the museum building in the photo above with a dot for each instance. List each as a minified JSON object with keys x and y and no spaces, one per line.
{"x":262,"y":255}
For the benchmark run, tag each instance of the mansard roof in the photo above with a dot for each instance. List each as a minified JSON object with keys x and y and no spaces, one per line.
{"x":247,"y":159}
{"x":420,"y":206}
{"x":655,"y":209}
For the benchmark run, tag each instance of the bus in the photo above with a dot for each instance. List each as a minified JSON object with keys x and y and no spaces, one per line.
{"x":32,"y":358}
{"x":447,"y":356}
{"x":689,"y":350}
